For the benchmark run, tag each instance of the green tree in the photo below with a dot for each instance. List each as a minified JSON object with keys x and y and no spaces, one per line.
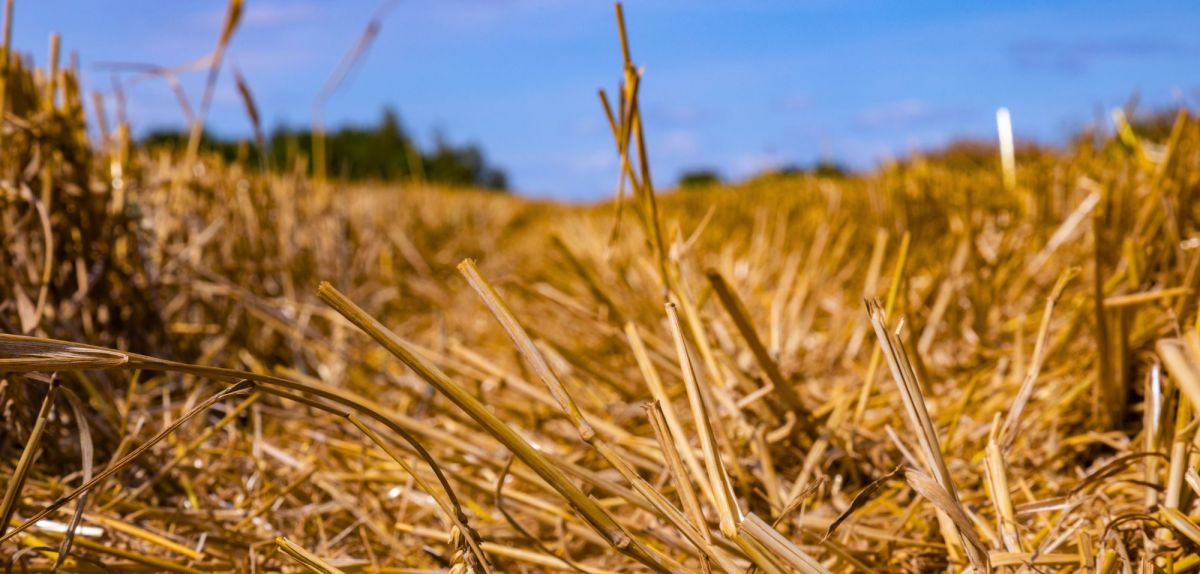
{"x":697,"y":178}
{"x":380,"y":152}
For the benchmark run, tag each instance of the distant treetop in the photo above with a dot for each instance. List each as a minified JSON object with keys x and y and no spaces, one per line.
{"x":382,"y":152}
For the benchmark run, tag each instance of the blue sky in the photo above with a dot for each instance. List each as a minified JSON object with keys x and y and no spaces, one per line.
{"x":736,"y":86}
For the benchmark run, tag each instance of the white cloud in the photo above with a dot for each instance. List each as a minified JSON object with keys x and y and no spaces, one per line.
{"x":894,"y":113}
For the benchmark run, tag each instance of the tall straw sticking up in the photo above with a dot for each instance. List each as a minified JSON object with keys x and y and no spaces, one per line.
{"x":1008,"y":158}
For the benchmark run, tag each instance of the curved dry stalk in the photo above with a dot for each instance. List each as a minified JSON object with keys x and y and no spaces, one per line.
{"x":512,"y":521}
{"x":69,"y":356}
{"x":450,"y":505}
{"x":192,"y":445}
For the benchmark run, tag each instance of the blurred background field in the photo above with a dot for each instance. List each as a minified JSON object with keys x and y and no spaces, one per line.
{"x":680,"y":381}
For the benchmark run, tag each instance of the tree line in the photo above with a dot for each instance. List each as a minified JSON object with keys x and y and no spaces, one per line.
{"x":381,"y":152}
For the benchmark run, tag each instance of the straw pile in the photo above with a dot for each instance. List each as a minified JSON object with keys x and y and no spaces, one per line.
{"x":688,"y":382}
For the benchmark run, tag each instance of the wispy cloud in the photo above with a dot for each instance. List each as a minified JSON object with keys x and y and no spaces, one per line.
{"x":894,"y":114}
{"x":1078,"y":56}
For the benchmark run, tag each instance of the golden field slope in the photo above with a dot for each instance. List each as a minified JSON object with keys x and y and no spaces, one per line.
{"x":697,"y":386}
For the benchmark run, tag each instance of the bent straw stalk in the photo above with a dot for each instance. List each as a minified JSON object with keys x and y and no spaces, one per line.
{"x":592,"y":512}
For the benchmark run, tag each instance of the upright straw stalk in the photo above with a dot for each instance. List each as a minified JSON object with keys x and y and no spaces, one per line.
{"x":922,"y":427}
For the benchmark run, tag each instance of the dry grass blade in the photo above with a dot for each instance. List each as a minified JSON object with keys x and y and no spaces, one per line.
{"x":781,"y":547}
{"x":678,"y":434}
{"x":727,"y":506}
{"x":679,"y":475}
{"x":525,"y":345}
{"x":948,"y":503}
{"x":23,"y":355}
{"x":310,"y":561}
{"x":1013,"y":421}
{"x":783,"y":388}
{"x":247,"y":97}
{"x":1182,"y":359}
